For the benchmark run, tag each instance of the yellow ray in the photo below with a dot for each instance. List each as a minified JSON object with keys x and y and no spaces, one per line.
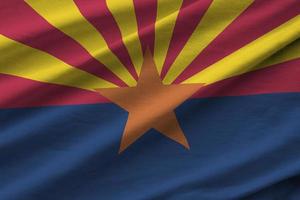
{"x":247,"y":58}
{"x":167,"y":12}
{"x":65,"y":16}
{"x":218,"y":16}
{"x":124,"y":14}
{"x":20,"y":60}
{"x":290,"y":52}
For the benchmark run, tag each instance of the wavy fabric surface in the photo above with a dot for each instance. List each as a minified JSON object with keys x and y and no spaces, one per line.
{"x":156,"y":99}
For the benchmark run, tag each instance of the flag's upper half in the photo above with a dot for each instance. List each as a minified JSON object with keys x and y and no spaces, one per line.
{"x":78,"y":46}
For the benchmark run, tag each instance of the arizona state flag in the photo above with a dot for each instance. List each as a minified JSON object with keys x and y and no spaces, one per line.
{"x":149,"y":99}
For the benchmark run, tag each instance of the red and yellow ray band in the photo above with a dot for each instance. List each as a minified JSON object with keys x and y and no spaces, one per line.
{"x":258,"y":19}
{"x":189,"y":16}
{"x":218,"y":16}
{"x":65,"y":16}
{"x":290,"y":52}
{"x":282,"y":77}
{"x":20,"y":60}
{"x":247,"y":58}
{"x":167,"y":12}
{"x":124,"y":14}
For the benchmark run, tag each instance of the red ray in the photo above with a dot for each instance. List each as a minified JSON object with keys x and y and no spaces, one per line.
{"x":146,"y":17}
{"x":279,"y":78}
{"x":97,"y":13}
{"x":19,"y":92}
{"x":188,"y":18}
{"x":258,"y":19}
{"x":20,"y":22}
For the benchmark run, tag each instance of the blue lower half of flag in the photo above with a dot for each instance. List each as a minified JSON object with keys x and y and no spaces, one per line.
{"x":245,"y":147}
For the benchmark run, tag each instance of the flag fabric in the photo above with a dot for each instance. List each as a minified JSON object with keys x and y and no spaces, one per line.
{"x":149,"y":99}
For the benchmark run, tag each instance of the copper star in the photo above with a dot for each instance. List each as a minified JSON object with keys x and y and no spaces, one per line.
{"x":150,"y":105}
